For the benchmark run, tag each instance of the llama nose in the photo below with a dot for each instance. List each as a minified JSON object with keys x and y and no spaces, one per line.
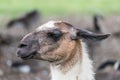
{"x":22,"y":45}
{"x":21,"y":49}
{"x":19,"y":53}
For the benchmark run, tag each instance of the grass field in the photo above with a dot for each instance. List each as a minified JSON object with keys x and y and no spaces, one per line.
{"x":59,"y":7}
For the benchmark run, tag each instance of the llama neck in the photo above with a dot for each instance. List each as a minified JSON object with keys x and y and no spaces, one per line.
{"x":81,"y":70}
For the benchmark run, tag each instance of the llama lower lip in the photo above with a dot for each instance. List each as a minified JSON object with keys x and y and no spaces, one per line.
{"x":29,"y":56}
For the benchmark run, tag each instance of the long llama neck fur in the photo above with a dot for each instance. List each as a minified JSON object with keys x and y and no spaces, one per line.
{"x":78,"y":68}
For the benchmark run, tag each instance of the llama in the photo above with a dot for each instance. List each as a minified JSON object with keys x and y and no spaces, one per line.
{"x":115,"y":64}
{"x":97,"y":26}
{"x":61,"y":44}
{"x":109,"y":70}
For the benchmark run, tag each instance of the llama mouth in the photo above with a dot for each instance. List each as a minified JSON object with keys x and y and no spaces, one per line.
{"x":29,"y":56}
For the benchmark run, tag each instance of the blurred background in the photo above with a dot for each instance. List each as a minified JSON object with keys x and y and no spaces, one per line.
{"x":19,"y":17}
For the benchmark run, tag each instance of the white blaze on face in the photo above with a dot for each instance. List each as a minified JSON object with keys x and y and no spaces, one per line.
{"x":47,"y":26}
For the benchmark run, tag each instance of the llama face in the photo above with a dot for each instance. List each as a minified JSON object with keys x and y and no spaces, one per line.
{"x":54,"y":41}
{"x":50,"y":42}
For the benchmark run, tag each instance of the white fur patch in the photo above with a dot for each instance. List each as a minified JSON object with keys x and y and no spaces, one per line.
{"x":81,"y":70}
{"x":47,"y":26}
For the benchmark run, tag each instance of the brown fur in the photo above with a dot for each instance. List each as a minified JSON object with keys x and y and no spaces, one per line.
{"x":66,"y":49}
{"x":73,"y":57}
{"x":64,"y":26}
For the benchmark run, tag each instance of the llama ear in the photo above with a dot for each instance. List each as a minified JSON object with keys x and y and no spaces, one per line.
{"x":84,"y":34}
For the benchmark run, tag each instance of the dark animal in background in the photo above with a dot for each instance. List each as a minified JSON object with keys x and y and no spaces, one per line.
{"x":5,"y":39}
{"x":112,"y":73}
{"x":96,"y":23}
{"x":115,"y":64}
{"x":26,"y":20}
{"x":20,"y":66}
{"x":24,"y":66}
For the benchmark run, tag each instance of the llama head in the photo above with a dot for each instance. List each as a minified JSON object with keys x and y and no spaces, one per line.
{"x":54,"y":41}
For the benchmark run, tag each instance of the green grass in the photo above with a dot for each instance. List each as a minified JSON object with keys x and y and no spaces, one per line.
{"x":59,"y":7}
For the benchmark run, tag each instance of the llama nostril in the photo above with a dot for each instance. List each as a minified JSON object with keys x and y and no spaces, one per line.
{"x":18,"y":53}
{"x":22,"y":45}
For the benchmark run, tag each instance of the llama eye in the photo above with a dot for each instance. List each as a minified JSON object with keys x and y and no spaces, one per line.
{"x":55,"y":34}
